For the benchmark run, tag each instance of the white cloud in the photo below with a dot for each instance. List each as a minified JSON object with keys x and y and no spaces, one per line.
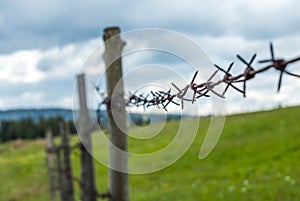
{"x":25,"y":99}
{"x":20,"y":67}
{"x":57,"y":43}
{"x":36,"y":78}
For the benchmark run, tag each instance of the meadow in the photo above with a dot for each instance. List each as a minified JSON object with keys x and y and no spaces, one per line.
{"x":257,"y":158}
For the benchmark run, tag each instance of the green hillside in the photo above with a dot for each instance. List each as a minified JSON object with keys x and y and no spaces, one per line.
{"x":257,"y":159}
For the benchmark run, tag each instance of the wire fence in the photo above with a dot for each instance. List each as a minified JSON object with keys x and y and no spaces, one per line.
{"x":162,"y":99}
{"x":60,"y":170}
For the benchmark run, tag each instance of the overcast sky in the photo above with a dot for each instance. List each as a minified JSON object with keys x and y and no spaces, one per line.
{"x":43,"y":44}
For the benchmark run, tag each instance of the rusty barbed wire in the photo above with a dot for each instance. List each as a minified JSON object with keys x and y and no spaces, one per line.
{"x":162,"y":99}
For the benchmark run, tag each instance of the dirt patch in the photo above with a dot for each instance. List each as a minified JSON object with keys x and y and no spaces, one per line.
{"x":18,"y":143}
{"x":12,"y":199}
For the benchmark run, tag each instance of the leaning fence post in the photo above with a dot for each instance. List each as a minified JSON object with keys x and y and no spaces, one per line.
{"x":88,"y":193}
{"x":66,"y":169}
{"x":118,"y":181}
{"x":50,"y":150}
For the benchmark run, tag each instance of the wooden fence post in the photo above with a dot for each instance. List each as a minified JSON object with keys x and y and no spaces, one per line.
{"x":118,"y":181}
{"x":50,"y":150}
{"x":67,"y":189}
{"x":88,"y":193}
{"x":59,"y":172}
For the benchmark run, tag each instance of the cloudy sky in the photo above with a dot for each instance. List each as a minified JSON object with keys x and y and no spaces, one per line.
{"x":44,"y":44}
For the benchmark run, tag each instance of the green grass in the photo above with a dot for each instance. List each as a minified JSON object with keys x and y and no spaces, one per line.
{"x":257,"y":158}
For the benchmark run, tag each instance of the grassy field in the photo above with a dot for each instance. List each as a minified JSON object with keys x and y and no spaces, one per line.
{"x":257,"y":158}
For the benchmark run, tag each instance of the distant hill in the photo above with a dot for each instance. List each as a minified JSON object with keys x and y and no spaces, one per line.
{"x":67,"y":115}
{"x":35,"y":114}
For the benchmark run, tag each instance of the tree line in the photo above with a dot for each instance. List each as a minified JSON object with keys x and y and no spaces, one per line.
{"x":27,"y":128}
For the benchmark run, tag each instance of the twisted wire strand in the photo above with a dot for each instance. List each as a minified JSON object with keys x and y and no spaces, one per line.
{"x":162,"y":99}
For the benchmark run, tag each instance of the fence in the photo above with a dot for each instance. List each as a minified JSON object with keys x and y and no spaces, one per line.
{"x":58,"y":158}
{"x":118,"y":181}
{"x":63,"y":163}
{"x":60,"y":170}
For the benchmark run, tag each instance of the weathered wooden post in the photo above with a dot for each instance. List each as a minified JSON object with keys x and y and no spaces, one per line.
{"x":87,"y":168}
{"x":50,"y":150}
{"x":118,"y":181}
{"x":67,"y":190}
{"x":59,"y":172}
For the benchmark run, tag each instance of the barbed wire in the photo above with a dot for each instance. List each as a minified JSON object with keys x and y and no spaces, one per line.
{"x":162,"y":99}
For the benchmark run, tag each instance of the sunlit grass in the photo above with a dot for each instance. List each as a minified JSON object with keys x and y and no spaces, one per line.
{"x":257,"y":158}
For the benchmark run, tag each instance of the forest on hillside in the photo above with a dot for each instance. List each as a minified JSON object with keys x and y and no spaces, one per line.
{"x":28,"y":128}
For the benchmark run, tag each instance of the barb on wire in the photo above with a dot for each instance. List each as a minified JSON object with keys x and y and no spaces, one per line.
{"x":248,"y":73}
{"x":279,"y":64}
{"x":162,"y":99}
{"x":210,"y":85}
{"x":227,"y":79}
